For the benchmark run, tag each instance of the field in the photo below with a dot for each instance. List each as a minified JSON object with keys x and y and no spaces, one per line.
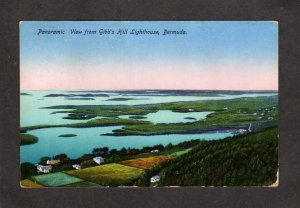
{"x":179,"y":153}
{"x":82,"y":184}
{"x":145,"y":163}
{"x":55,"y":179}
{"x":109,"y":175}
{"x":30,"y":184}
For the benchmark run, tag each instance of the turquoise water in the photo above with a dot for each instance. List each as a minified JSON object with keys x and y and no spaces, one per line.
{"x":167,"y":116}
{"x":88,"y":138}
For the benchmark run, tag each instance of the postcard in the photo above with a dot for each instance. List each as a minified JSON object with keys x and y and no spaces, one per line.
{"x":148,"y":104}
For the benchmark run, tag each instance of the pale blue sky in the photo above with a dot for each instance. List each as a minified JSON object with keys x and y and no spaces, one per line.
{"x":244,"y":43}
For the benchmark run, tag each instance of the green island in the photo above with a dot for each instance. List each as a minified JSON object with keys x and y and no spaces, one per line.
{"x":27,"y":139}
{"x":190,"y":118}
{"x":92,"y":123}
{"x":248,"y":160}
{"x":68,"y":135}
{"x":137,"y":117}
{"x":123,"y":99}
{"x":71,"y":98}
{"x":77,"y":95}
{"x":23,"y":93}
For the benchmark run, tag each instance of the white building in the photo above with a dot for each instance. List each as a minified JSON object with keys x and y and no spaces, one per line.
{"x":191,"y":110}
{"x":52,"y":162}
{"x":98,"y":160}
{"x":76,"y":166}
{"x":154,"y":179}
{"x":154,"y":151}
{"x":44,"y":168}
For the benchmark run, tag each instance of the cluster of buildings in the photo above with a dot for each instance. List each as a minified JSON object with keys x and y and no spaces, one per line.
{"x":48,"y":168}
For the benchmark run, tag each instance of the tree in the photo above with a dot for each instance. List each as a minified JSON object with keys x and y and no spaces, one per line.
{"x":43,"y":160}
{"x":61,"y":157}
{"x":123,"y":151}
{"x":101,"y":151}
{"x":169,"y":146}
{"x":114,"y":158}
{"x":105,"y":150}
{"x":27,"y":170}
{"x":159,"y":147}
{"x":113,"y":151}
{"x":88,"y":163}
{"x":96,"y":151}
{"x":134,"y":152}
{"x":86,"y":157}
{"x":146,"y":149}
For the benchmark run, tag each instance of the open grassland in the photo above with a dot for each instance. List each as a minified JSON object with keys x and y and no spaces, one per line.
{"x":86,"y":184}
{"x":147,"y":162}
{"x":179,"y":153}
{"x":30,"y":184}
{"x":109,"y":175}
{"x":55,"y":179}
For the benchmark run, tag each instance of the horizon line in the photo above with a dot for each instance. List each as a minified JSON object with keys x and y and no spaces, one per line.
{"x":146,"y":89}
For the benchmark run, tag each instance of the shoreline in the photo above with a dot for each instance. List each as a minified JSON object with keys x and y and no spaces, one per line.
{"x":217,"y":130}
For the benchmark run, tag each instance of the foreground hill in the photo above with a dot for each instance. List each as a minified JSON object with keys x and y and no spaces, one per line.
{"x":244,"y":160}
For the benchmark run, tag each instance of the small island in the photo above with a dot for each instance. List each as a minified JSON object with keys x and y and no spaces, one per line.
{"x":137,"y":117}
{"x":23,"y":93}
{"x":67,"y":135}
{"x":123,"y":99}
{"x":27,"y":139}
{"x":67,"y":98}
{"x":190,"y":118}
{"x":77,"y":95}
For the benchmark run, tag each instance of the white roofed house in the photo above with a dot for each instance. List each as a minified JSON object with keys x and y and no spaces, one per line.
{"x":44,"y":168}
{"x":154,"y":179}
{"x":76,"y":166}
{"x":52,"y":162}
{"x":98,"y":160}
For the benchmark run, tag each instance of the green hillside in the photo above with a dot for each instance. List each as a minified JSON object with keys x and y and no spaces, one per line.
{"x":244,"y":160}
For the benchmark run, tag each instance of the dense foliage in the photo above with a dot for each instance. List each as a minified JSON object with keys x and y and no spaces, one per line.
{"x":27,"y":170}
{"x":244,"y":160}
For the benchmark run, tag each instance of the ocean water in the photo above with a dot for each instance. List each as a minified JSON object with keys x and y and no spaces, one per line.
{"x":51,"y":144}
